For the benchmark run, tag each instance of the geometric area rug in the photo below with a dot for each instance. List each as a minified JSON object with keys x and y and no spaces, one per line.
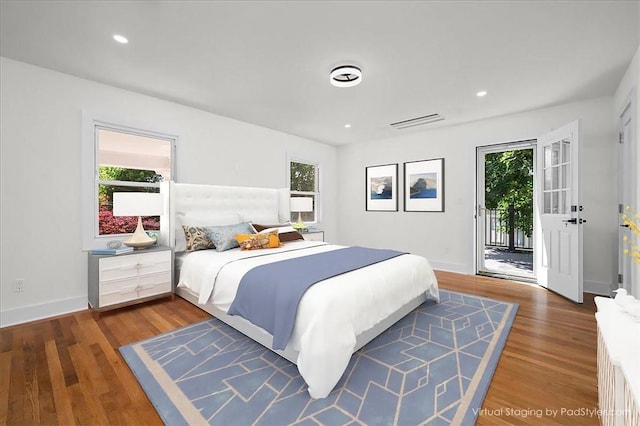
{"x":432,"y":367}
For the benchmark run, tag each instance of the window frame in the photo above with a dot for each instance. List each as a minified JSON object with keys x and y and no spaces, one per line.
{"x":91,"y":237}
{"x":316,"y":194}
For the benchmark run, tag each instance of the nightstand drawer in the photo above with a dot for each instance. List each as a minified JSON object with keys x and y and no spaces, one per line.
{"x":151,"y":289}
{"x":119,"y":294}
{"x":115,"y":267}
{"x":120,"y":291}
{"x":314,"y":236}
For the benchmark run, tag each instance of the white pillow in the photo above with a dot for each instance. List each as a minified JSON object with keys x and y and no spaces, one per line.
{"x":281,"y":230}
{"x":200,"y":219}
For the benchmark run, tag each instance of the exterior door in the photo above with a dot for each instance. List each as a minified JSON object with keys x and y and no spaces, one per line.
{"x":559,"y":212}
{"x":626,"y":194}
{"x":489,"y":230}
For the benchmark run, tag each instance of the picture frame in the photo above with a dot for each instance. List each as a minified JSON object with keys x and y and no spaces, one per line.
{"x":381,"y":188}
{"x":424,"y":185}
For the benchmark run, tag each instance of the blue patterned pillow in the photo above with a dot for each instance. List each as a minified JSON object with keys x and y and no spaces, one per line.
{"x":224,"y":237}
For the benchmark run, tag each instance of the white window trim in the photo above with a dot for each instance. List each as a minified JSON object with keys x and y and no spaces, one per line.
{"x":317,"y":193}
{"x":89,"y":213}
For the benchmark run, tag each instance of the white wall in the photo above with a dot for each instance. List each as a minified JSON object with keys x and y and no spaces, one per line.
{"x":629,"y":82}
{"x":447,"y":239}
{"x":41,"y":137}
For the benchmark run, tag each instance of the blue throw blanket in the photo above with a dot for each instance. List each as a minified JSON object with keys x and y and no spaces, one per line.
{"x":268,"y":295}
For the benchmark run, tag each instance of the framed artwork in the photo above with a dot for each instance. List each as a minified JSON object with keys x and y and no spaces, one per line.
{"x":424,"y":186}
{"x":381,"y":186}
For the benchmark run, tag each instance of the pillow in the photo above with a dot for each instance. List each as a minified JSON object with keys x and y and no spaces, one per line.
{"x":285,"y":231}
{"x":224,"y":237}
{"x":262,"y":240}
{"x":196,"y":238}
{"x":200,"y":219}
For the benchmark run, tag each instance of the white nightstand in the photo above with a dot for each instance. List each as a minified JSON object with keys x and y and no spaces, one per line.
{"x":314,"y":235}
{"x":129,"y":278}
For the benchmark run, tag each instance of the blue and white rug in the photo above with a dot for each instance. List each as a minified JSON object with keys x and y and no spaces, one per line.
{"x":432,"y":367}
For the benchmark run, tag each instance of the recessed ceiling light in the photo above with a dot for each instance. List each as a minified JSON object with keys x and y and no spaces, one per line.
{"x":120,"y":39}
{"x":481,"y":93}
{"x":347,"y":126}
{"x":345,"y":76}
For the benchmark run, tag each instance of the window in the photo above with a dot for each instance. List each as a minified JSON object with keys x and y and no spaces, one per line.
{"x":117,"y":158}
{"x":303,"y":178}
{"x":128,"y":162}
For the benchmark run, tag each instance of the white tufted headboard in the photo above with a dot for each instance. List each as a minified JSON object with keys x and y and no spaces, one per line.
{"x":259,"y":205}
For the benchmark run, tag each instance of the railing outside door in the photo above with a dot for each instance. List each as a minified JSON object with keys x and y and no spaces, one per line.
{"x":495,"y":236}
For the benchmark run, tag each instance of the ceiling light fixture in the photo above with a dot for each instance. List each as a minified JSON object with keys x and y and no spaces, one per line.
{"x":345,"y":76}
{"x":347,"y":126}
{"x":120,"y":39}
{"x":481,"y":93}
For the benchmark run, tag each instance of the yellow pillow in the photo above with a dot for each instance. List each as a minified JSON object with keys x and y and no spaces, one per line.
{"x":241,"y":238}
{"x":258,"y":241}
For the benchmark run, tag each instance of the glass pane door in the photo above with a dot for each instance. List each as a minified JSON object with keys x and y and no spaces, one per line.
{"x":557,"y":178}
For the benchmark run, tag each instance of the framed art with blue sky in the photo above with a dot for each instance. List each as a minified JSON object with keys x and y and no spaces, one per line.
{"x":424,"y":186}
{"x":381,"y":188}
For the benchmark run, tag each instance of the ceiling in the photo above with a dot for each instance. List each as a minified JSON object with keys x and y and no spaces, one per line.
{"x":268,"y":62}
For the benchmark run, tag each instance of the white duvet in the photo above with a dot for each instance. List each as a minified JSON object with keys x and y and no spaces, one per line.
{"x":330,"y":314}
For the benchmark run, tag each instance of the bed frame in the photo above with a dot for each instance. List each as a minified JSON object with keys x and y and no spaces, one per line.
{"x":264,"y":338}
{"x":251,"y":204}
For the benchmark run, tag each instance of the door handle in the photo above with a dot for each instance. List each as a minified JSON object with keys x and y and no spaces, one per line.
{"x":626,"y":225}
{"x":575,"y":221}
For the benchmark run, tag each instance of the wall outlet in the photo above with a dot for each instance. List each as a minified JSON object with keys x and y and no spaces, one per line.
{"x":19,"y":285}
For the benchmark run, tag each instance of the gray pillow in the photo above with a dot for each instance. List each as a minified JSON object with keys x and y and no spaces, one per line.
{"x":224,"y":237}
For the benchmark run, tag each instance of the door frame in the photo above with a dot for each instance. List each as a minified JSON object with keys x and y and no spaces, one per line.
{"x":627,"y":172}
{"x":479,"y":218}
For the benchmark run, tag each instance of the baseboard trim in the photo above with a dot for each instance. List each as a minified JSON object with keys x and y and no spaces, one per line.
{"x":452,"y":267}
{"x":41,"y":311}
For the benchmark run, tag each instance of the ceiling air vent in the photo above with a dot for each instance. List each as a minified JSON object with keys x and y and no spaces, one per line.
{"x":418,"y":121}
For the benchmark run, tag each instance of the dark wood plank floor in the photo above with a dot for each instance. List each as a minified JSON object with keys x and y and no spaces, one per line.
{"x":67,"y":370}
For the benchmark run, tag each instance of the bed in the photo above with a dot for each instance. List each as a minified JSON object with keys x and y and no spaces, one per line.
{"x":335,"y":317}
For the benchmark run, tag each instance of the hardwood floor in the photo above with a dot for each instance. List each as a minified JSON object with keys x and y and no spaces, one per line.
{"x":67,"y":370}
{"x":547,"y":372}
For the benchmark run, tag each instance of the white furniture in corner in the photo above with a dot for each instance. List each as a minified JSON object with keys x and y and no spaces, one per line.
{"x":129,"y":278}
{"x":314,"y":235}
{"x":618,"y":365}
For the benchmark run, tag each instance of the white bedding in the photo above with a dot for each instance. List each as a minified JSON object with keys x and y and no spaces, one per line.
{"x":331,"y":313}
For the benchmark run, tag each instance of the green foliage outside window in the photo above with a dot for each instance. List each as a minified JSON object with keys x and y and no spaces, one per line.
{"x":303,"y":183}
{"x":109,"y":224}
{"x":303,"y":177}
{"x":109,"y":173}
{"x":509,"y":181}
